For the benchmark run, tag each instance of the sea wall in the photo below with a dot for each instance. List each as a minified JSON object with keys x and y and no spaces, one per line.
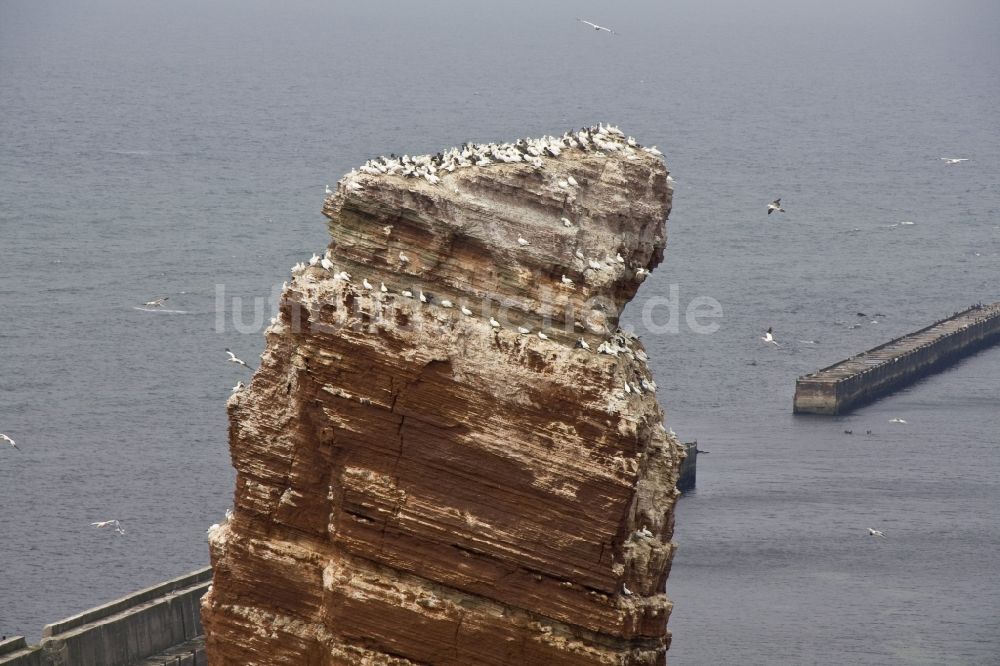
{"x":160,"y":623}
{"x":888,"y":367}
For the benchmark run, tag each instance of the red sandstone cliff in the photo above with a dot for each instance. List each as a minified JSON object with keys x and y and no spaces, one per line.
{"x":417,"y":485}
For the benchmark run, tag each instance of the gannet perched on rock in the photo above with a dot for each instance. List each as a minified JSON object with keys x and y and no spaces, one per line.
{"x":522,"y":242}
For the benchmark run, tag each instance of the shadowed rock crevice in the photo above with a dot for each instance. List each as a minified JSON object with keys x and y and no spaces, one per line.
{"x":430,"y":468}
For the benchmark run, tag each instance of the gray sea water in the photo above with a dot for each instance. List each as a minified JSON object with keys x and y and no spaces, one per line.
{"x":174,"y":149}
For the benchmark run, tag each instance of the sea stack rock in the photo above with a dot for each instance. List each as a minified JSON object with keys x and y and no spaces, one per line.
{"x":449,"y":454}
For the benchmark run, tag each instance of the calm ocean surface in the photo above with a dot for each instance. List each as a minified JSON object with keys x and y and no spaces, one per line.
{"x":151,"y":149}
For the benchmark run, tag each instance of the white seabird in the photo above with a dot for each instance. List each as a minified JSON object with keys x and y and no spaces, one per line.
{"x":156,"y":303}
{"x":596,"y":265}
{"x":343,"y":275}
{"x":875,"y":533}
{"x":313,"y":260}
{"x":769,"y":337}
{"x":579,"y":255}
{"x":10,"y":441}
{"x":619,"y":258}
{"x":239,"y":387}
{"x":523,"y":331}
{"x":234,"y":359}
{"x":326,"y":263}
{"x":566,"y":281}
{"x":403,"y":259}
{"x":542,"y":336}
{"x":582,"y":344}
{"x":521,"y":241}
{"x":494,"y":323}
{"x":423,"y":299}
{"x":775,"y":206}
{"x":643,"y":532}
{"x":566,"y":222}
{"x":466,"y":311}
{"x":627,"y":592}
{"x":597,"y":27}
{"x":571,"y":180}
{"x":955,"y":160}
{"x":447,"y":304}
{"x":384,"y":289}
{"x":328,"y":191}
{"x":407,"y":293}
{"x":897,"y":420}
{"x":110,"y":523}
{"x":366,"y":284}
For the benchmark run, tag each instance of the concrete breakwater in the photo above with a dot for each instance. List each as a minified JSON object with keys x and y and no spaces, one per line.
{"x":158,"y":625}
{"x":878,"y":371}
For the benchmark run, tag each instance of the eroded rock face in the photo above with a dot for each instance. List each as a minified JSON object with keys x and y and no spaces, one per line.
{"x":418,"y":485}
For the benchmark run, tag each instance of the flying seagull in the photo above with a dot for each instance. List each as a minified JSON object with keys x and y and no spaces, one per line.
{"x":955,"y":160}
{"x":110,"y":523}
{"x":897,"y":420}
{"x":597,"y":27}
{"x":234,"y":359}
{"x":155,"y":303}
{"x":875,"y":533}
{"x":769,"y":337}
{"x":9,"y":441}
{"x":775,"y":206}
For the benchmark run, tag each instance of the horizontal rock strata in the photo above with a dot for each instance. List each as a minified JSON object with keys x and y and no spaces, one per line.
{"x":449,"y":455}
